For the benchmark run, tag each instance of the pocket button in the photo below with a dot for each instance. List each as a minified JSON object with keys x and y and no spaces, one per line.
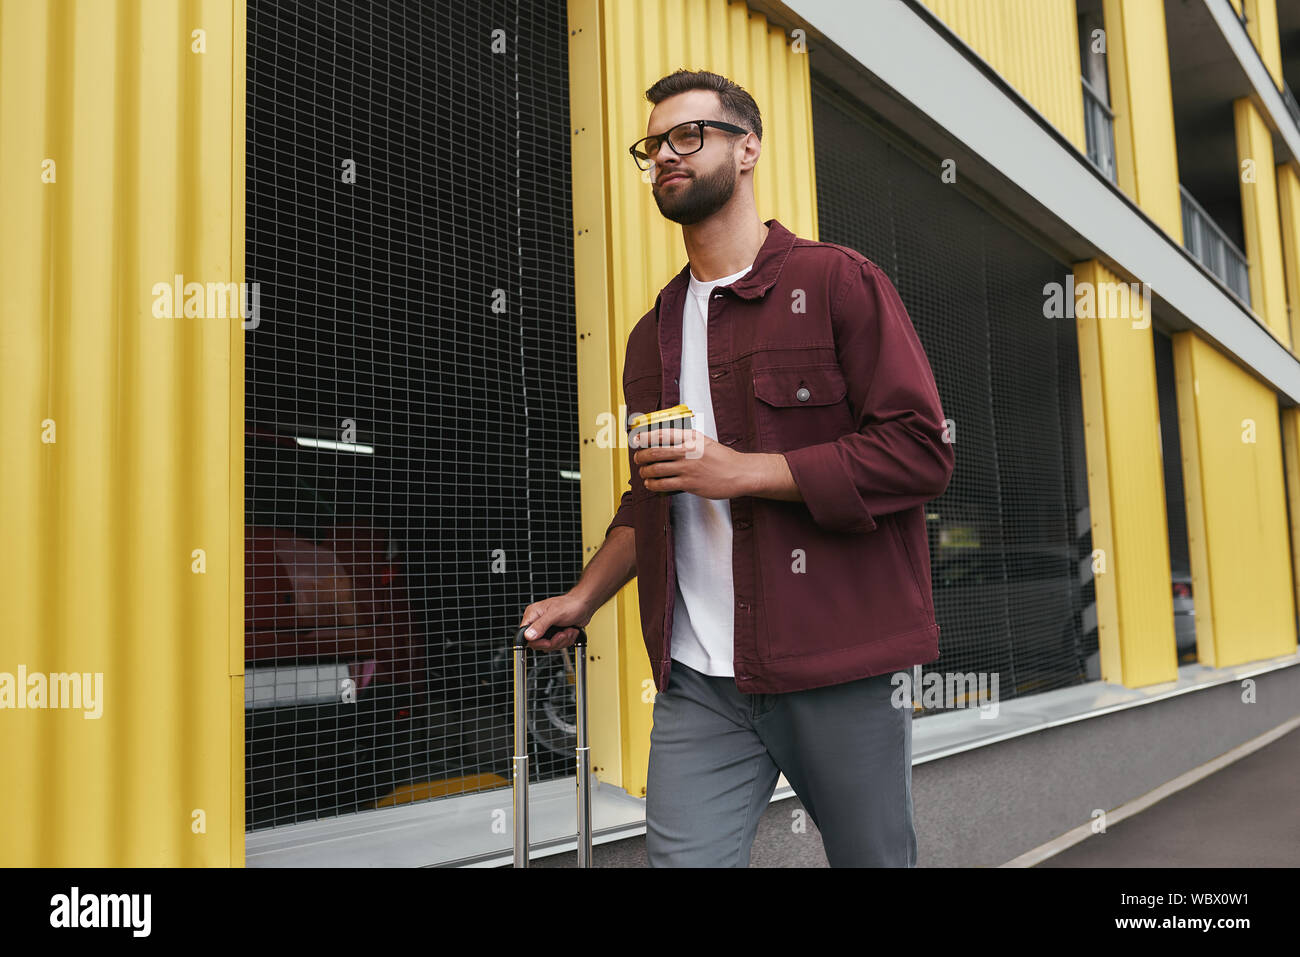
{"x":802,"y":395}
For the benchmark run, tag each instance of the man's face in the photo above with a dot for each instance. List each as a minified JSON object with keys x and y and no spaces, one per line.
{"x":697,"y":184}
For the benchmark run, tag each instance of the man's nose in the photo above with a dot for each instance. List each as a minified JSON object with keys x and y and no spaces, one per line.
{"x":662,"y":169}
{"x":654,"y":157}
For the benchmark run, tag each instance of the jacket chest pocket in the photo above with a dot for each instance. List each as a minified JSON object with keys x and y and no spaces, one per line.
{"x":642,"y":397}
{"x":801,"y":406}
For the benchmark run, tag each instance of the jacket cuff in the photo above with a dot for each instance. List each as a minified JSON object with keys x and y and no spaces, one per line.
{"x":624,"y":514}
{"x":618,"y":521}
{"x":827,"y":489}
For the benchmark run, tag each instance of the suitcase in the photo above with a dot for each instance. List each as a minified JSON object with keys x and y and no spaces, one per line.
{"x":582,"y":752}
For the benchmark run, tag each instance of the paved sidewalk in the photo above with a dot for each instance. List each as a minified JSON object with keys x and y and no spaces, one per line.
{"x":1245,"y":815}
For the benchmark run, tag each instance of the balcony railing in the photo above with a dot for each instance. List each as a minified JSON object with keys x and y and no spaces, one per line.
{"x":1099,"y":127}
{"x":1208,"y":243}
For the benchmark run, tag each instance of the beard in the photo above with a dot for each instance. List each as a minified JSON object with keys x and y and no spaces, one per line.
{"x":698,"y":197}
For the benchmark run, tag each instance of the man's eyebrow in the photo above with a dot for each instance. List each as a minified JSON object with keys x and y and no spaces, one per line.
{"x":669,"y":128}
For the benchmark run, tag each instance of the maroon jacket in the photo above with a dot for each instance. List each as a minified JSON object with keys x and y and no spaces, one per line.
{"x":811,"y":354}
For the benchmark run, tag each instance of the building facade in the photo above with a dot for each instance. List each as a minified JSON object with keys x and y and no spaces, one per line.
{"x":364,"y":274}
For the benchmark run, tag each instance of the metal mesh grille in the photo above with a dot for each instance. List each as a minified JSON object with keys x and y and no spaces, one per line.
{"x":1010,"y":538}
{"x":411,"y":449}
{"x":1172,"y":450}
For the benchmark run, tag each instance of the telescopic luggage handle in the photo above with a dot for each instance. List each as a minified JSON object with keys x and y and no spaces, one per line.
{"x":582,"y":753}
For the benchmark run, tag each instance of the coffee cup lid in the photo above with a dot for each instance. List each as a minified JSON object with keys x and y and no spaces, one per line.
{"x":662,"y":415}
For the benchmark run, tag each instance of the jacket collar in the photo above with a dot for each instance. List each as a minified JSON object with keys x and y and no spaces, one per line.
{"x":760,"y":278}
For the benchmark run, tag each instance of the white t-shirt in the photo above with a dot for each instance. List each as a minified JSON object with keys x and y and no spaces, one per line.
{"x":704,"y":606}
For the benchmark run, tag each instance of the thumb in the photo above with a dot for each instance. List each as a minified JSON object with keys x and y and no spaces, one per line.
{"x":537,"y":627}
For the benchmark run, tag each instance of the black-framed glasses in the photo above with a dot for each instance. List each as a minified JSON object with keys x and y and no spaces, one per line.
{"x":683,"y":139}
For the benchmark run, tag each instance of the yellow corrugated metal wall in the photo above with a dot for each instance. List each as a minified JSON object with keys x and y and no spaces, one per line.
{"x":1261,"y":25}
{"x":1126,"y":489}
{"x":1034,"y":45}
{"x":121,"y":145}
{"x":1288,"y":201}
{"x":1259,"y":214}
{"x":1236,"y":508}
{"x":599,"y":389}
{"x":1290,"y":424}
{"x":626,"y":252}
{"x":1141,"y":97}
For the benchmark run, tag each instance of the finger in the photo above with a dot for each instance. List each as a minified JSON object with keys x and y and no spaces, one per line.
{"x":667,"y":453}
{"x":661,"y":470}
{"x":561,"y":639}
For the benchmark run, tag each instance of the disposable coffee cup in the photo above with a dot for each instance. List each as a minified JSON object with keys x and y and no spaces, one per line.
{"x":678,"y":417}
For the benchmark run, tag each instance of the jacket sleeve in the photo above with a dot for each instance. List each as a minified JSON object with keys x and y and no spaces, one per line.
{"x":624,"y":514}
{"x":898,"y":457}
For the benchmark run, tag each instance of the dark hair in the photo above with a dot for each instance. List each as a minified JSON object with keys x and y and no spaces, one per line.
{"x":737,"y":105}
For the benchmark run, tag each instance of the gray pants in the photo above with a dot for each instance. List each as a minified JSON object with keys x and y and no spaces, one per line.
{"x":716,"y":752}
